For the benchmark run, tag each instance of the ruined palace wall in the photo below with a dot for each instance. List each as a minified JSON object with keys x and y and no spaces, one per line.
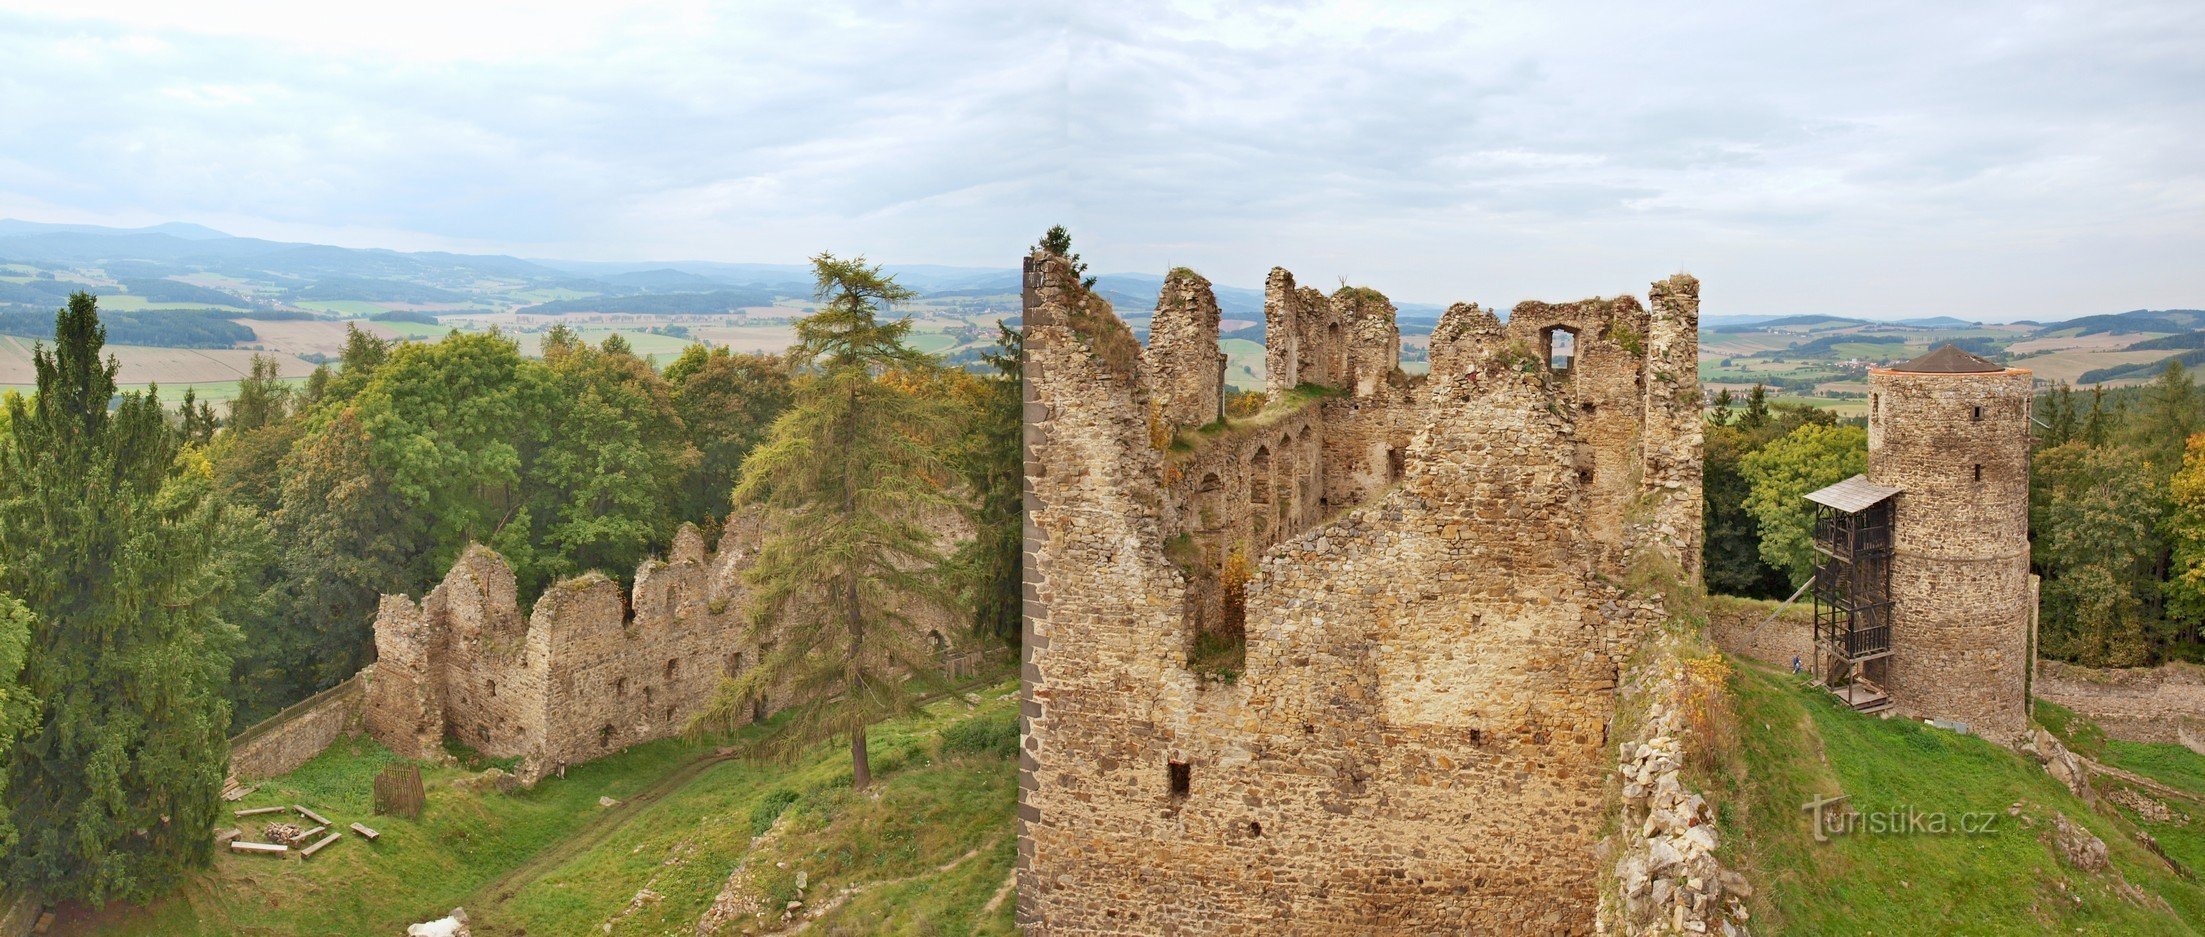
{"x":1603,"y":390}
{"x":1674,"y":424}
{"x":1960,"y":549}
{"x":1416,"y":743}
{"x":2156,"y":704}
{"x":492,"y":687}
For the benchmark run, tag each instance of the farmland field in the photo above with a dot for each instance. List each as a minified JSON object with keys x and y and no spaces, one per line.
{"x":140,"y":364}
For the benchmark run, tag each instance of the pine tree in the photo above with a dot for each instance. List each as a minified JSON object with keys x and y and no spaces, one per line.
{"x":262,"y":397}
{"x":1757,"y":408}
{"x":993,"y":469}
{"x":107,"y":538}
{"x":848,"y":477}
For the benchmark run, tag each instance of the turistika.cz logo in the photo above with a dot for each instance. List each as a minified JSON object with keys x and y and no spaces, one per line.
{"x":1831,"y":818}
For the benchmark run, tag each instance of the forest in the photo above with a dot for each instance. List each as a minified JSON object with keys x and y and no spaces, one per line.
{"x":168,"y":576}
{"x":2116,"y":511}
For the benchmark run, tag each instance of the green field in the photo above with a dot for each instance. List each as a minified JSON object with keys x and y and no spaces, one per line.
{"x":924,"y":851}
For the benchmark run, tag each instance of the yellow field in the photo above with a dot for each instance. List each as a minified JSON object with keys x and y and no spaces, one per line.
{"x":141,"y":364}
{"x":2069,"y":365}
{"x":307,"y":336}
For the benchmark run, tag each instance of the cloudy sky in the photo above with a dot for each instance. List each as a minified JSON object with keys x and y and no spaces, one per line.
{"x":1987,"y":160}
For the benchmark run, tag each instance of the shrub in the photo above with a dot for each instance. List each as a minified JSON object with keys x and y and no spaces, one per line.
{"x":995,"y":734}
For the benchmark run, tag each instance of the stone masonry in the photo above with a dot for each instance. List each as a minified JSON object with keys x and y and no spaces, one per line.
{"x":1957,"y":446}
{"x":1418,"y":739}
{"x":589,"y":671}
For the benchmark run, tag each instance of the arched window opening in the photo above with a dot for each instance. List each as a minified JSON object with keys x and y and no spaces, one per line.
{"x":1259,"y":477}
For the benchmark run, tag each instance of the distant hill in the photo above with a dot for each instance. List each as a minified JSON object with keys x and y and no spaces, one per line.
{"x":176,"y":229}
{"x":2131,"y":322}
{"x":2144,"y":371}
{"x":1795,"y":322}
{"x":2179,"y":342}
{"x":717,"y":301}
{"x":663,"y":280}
{"x":1940,"y":322}
{"x":170,"y":291}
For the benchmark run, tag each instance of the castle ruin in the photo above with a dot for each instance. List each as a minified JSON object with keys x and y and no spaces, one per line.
{"x":590,"y":670}
{"x":1418,"y":587}
{"x":1923,"y":597}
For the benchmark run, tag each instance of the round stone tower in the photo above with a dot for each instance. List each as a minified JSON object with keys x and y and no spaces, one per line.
{"x":1951,"y":431}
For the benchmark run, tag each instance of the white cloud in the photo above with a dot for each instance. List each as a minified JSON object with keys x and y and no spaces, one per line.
{"x":1972,"y":158}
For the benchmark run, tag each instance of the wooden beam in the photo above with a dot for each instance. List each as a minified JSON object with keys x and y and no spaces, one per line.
{"x":257,"y":811}
{"x":228,"y":836}
{"x":311,"y":815}
{"x":310,"y":834}
{"x":274,"y":849}
{"x":309,"y":852}
{"x":364,"y":831}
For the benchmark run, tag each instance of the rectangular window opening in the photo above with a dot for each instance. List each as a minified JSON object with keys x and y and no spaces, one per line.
{"x":1182,"y":778}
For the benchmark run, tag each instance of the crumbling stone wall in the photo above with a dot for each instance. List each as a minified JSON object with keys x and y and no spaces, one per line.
{"x":1957,"y":445}
{"x":2155,"y":704}
{"x":1182,"y":355}
{"x":589,"y":671}
{"x":304,"y":729}
{"x":1419,"y":740}
{"x":1744,"y":627}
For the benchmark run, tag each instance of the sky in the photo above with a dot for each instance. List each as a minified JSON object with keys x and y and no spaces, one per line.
{"x":1987,"y":160}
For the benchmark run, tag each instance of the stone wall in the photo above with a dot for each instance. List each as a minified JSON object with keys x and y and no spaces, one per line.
{"x":1182,"y":352}
{"x":1419,"y":739}
{"x":1743,"y":627}
{"x":590,"y":670}
{"x":1957,"y":446}
{"x":2156,"y":704}
{"x":291,"y":738}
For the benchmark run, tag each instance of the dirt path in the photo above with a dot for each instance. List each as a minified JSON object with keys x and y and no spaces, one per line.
{"x":485,"y":901}
{"x":609,"y":820}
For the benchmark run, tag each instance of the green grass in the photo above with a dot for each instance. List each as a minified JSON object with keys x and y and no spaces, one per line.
{"x":925,"y":809}
{"x":945,"y":788}
{"x":1795,"y":743}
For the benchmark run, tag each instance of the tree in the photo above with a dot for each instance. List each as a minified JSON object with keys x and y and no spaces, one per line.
{"x":348,"y":538}
{"x":993,"y":466}
{"x":262,"y":397}
{"x":726,"y":402}
{"x":18,"y":709}
{"x":1757,"y":408}
{"x":445,"y":422}
{"x":2095,"y":520}
{"x":849,"y":478}
{"x":609,"y":454}
{"x":1780,"y":475}
{"x":1058,"y":241}
{"x":107,"y":537}
{"x":2185,"y":588}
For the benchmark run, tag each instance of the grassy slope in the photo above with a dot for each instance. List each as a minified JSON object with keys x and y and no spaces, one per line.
{"x":2182,"y":832}
{"x":928,"y":808}
{"x":1795,"y":744}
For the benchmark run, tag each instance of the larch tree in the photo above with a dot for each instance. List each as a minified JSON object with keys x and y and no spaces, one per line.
{"x":108,"y":539}
{"x":848,"y":479}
